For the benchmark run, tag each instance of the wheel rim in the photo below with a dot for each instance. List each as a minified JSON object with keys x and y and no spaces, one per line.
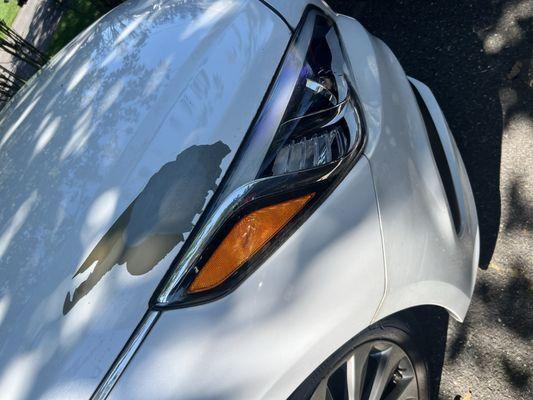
{"x":373,"y":371}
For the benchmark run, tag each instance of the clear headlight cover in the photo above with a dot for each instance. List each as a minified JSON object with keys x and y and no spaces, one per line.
{"x":320,"y":123}
{"x":306,"y":137}
{"x":310,"y":117}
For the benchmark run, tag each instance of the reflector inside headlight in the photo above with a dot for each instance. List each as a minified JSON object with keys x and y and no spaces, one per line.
{"x":320,"y":123}
{"x":309,"y":152}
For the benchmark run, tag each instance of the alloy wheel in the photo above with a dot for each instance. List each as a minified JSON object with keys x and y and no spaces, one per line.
{"x":372,"y":371}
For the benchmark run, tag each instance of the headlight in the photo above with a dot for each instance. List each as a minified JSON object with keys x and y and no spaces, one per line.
{"x":306,"y":137}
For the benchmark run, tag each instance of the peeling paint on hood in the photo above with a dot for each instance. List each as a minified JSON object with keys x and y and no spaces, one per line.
{"x":157,"y":220}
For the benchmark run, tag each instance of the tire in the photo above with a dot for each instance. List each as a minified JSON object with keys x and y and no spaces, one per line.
{"x":401,"y":333}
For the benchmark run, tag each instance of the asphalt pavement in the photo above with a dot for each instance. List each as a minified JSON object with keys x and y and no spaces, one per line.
{"x":477,"y":57}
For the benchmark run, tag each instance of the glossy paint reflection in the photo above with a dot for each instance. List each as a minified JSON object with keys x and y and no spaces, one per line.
{"x":100,"y":129}
{"x":157,"y":219}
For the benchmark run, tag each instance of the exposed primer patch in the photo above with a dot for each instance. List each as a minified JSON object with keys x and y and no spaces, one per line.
{"x":156,"y":221}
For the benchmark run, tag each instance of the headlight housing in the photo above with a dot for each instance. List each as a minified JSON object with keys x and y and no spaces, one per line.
{"x":306,"y":137}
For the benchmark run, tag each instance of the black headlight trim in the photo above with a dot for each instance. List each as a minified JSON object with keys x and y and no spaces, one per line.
{"x":225,"y":209}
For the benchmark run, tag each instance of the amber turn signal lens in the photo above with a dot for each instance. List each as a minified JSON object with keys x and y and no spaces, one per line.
{"x":245,"y":239}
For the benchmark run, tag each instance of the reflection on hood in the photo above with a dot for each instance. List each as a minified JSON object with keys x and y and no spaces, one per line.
{"x":157,"y":219}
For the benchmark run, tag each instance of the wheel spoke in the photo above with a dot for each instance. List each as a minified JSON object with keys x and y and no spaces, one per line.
{"x":351,"y":379}
{"x":410,"y":391}
{"x":388,"y":360}
{"x":321,"y":391}
{"x":374,"y":371}
{"x":356,"y":371}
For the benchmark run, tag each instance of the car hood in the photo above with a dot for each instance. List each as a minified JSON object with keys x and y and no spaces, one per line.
{"x":107,"y":158}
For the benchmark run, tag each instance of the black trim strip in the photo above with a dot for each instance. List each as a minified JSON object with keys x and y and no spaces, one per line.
{"x":126,"y":354}
{"x":440,"y":159}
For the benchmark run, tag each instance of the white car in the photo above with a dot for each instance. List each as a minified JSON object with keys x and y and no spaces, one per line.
{"x":227,"y":199}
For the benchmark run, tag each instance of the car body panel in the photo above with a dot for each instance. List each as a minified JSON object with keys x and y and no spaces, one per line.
{"x":234,"y":349}
{"x":427,"y":261}
{"x":108,"y":157}
{"x":455,"y":292}
{"x":324,"y":283}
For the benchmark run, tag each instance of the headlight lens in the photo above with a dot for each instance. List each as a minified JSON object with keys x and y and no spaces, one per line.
{"x":306,"y":137}
{"x":320,"y":123}
{"x":244,"y":240}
